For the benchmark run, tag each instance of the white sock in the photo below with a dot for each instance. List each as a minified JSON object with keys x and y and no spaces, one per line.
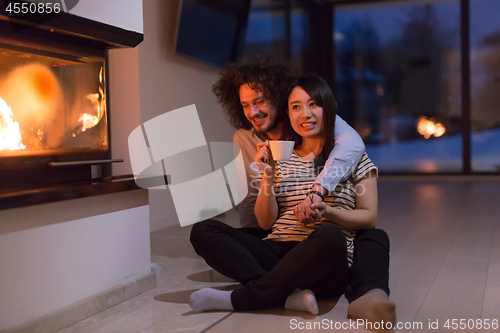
{"x":302,"y":300}
{"x":208,"y":299}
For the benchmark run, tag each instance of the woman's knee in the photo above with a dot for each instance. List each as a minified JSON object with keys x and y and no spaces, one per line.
{"x":329,"y":237}
{"x":373,"y":235}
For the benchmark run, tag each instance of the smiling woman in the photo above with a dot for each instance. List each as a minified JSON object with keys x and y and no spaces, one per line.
{"x":305,"y":114}
{"x":312,"y":111}
{"x":313,"y":256}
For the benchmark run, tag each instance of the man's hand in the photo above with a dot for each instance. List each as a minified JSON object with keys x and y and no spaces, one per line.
{"x":305,"y":213}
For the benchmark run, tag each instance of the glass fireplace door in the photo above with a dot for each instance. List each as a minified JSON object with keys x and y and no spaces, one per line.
{"x":51,"y":102}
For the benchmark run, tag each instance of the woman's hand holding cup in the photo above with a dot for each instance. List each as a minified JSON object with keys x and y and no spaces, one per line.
{"x":263,"y":158}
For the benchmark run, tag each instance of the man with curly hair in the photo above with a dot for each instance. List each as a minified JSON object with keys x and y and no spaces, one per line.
{"x":253,"y":96}
{"x":254,"y":99}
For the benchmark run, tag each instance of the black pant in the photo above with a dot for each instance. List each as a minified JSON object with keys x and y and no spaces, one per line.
{"x":257,"y":232}
{"x":370,"y":269}
{"x":271,"y":270}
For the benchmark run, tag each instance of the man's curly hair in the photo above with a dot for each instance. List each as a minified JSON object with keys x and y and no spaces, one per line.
{"x":270,"y":76}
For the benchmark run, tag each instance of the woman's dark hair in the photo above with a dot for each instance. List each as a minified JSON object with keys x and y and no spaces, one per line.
{"x":270,"y":76}
{"x":320,"y":92}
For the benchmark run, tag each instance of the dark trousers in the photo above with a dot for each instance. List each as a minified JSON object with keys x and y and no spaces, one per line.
{"x":270,"y":270}
{"x":257,"y":232}
{"x":370,"y":268}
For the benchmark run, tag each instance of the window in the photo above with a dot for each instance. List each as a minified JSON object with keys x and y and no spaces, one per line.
{"x":485,"y":85}
{"x":398,"y":82}
{"x":266,"y":30}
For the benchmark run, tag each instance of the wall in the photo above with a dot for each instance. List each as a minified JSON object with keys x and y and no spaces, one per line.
{"x":124,"y":104}
{"x":125,"y":14}
{"x":168,"y":82}
{"x":56,"y":254}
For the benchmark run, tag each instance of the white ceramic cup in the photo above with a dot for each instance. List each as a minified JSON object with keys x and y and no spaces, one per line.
{"x":156,"y":268}
{"x":281,"y":150}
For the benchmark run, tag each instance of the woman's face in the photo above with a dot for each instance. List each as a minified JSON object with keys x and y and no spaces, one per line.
{"x":305,"y":115}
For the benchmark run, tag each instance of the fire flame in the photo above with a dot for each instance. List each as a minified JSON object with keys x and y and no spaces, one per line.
{"x":88,"y":121}
{"x":428,"y":127}
{"x":10,"y":136}
{"x":98,"y":101}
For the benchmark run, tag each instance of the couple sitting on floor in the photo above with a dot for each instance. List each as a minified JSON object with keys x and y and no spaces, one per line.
{"x":323,"y":240}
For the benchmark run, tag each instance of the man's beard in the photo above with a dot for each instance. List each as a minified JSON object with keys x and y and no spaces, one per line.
{"x":271,"y":125}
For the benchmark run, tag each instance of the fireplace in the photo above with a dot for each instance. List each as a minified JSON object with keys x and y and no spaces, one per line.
{"x":54,"y":110}
{"x":73,"y":241}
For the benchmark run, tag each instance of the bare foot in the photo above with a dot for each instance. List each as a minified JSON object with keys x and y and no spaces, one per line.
{"x":375,"y":307}
{"x":302,"y":300}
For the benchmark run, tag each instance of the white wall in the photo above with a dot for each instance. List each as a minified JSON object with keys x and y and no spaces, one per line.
{"x":125,"y":14}
{"x":56,"y":254}
{"x":168,"y":82}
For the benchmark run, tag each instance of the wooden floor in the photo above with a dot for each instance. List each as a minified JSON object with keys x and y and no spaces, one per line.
{"x":445,"y":264}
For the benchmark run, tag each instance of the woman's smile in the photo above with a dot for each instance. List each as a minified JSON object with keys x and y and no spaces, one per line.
{"x":308,"y":125}
{"x":305,"y":115}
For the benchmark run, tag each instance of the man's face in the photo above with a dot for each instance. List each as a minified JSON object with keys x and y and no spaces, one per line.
{"x":258,"y":110}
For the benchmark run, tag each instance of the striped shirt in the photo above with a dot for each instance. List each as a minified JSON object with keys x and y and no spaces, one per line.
{"x":348,"y":150}
{"x":293,"y":179}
